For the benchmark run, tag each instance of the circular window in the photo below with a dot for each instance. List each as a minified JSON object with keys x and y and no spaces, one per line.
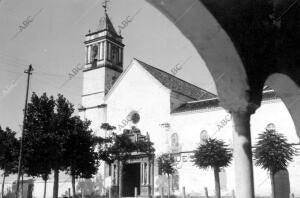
{"x":135,"y":117}
{"x":270,"y":127}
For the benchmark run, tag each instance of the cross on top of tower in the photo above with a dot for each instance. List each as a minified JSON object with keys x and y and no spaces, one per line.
{"x":104,"y":5}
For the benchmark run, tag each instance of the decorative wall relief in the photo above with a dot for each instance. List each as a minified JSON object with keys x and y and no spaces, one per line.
{"x":182,"y":159}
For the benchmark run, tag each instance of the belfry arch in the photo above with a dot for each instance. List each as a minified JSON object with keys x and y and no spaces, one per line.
{"x":245,"y":45}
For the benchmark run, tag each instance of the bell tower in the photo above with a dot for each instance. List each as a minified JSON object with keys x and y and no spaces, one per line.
{"x":103,"y":65}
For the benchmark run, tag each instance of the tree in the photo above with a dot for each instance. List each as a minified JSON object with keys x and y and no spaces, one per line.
{"x":80,"y":154}
{"x":213,"y":154}
{"x":48,"y":124}
{"x":273,"y":153}
{"x":166,"y":165}
{"x":62,"y":126}
{"x":38,"y":137}
{"x":9,"y":146}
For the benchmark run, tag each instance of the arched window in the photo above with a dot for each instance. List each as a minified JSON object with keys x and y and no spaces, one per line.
{"x":114,"y":54}
{"x":271,"y":126}
{"x":203,"y":136}
{"x":94,"y":55}
{"x":174,"y":140}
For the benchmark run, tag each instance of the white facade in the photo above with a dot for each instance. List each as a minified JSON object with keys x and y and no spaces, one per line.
{"x":176,"y":114}
{"x":138,"y":90}
{"x":189,"y":126}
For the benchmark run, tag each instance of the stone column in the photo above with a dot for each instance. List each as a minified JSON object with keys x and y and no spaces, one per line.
{"x":86,"y":55}
{"x":99,"y":50}
{"x":149,"y":172}
{"x":242,"y":154}
{"x":152,"y":175}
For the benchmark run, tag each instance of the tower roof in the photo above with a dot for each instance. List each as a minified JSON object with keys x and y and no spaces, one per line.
{"x":106,"y":24}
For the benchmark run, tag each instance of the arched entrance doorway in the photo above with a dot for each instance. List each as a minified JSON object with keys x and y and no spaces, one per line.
{"x":136,"y":177}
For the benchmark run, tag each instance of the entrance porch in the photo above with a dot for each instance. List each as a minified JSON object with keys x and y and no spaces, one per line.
{"x":136,"y":177}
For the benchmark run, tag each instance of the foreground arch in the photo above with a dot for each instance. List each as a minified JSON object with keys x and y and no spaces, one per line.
{"x":245,"y":44}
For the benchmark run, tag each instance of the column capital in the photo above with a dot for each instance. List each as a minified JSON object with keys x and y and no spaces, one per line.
{"x":248,"y":109}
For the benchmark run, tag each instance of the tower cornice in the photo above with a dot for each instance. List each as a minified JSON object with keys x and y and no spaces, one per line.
{"x":104,"y":65}
{"x":99,"y":31}
{"x":102,"y":38}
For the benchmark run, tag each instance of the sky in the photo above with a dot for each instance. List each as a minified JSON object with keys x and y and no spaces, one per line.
{"x":50,"y":35}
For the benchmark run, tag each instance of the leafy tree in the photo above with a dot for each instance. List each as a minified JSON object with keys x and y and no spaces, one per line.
{"x":166,"y":165}
{"x":213,"y":154}
{"x":62,"y":126}
{"x":48,"y":123}
{"x":38,"y":139}
{"x":273,"y":153}
{"x":9,"y":147}
{"x":107,"y":127}
{"x":80,"y":154}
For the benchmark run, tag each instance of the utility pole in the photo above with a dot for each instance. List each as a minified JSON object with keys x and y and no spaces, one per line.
{"x":28,"y":72}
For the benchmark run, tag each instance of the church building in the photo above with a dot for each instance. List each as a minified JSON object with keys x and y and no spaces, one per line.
{"x":177,"y":116}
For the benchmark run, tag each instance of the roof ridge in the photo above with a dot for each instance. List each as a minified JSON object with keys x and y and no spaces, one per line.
{"x":204,"y":100}
{"x":175,"y":77}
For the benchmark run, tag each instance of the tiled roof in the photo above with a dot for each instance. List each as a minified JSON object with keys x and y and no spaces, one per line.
{"x":268,"y":94}
{"x":176,"y":84}
{"x":197,"y":105}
